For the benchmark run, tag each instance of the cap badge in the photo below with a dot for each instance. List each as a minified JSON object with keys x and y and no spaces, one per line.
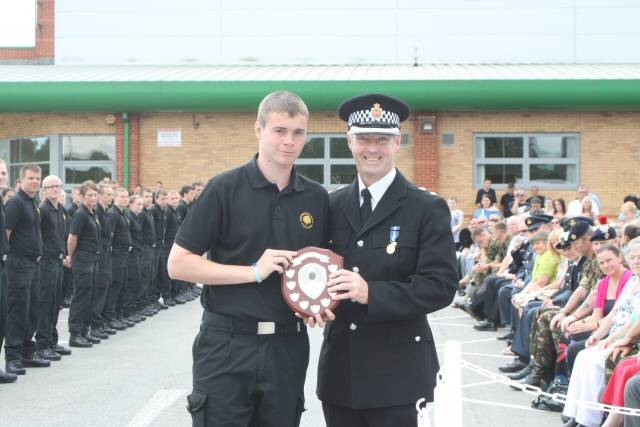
{"x":376,"y":111}
{"x":306,"y":220}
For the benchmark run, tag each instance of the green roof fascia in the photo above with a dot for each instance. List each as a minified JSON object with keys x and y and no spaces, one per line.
{"x":244,"y":96}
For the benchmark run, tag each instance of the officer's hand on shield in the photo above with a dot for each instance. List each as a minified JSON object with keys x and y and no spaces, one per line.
{"x":318,"y":320}
{"x":274,"y":260}
{"x":345,"y":284}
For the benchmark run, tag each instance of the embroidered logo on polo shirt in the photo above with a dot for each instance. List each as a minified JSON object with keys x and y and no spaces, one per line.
{"x":306,"y":220}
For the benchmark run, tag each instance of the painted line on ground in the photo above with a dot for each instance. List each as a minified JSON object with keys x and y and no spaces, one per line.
{"x":160,"y":402}
{"x":479,"y":383}
{"x":503,"y":405}
{"x":467,"y":353}
{"x":463,"y":316}
{"x":450,"y":324}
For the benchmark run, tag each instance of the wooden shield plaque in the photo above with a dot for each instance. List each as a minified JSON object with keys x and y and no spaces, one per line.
{"x":304,"y":284}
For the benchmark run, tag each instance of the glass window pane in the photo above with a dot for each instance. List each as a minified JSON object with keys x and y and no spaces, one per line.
{"x":343,"y":174}
{"x":503,"y":147}
{"x":502,"y":174}
{"x":89,"y":147}
{"x":79,"y":174}
{"x":493,"y":148}
{"x":339,"y":149}
{"x":553,"y":147}
{"x":514,"y":147}
{"x":313,"y":149}
{"x":4,"y":151}
{"x":15,"y":150}
{"x":30,"y":150}
{"x":314,"y":172}
{"x":552,"y":174}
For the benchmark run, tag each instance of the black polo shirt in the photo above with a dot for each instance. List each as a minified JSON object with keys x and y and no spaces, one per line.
{"x":23,"y":219}
{"x":4,"y":242}
{"x":121,"y":238}
{"x":148,"y":228}
{"x":73,"y":209}
{"x":135,"y":229}
{"x":53,"y":224}
{"x":236,"y":218}
{"x":182,"y":211}
{"x":173,"y":223}
{"x":105,"y":227}
{"x":85,"y":225}
{"x":160,"y":221}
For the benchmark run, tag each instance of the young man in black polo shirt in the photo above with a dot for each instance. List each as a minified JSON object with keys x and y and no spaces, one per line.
{"x":83,"y":246}
{"x":251,"y":355}
{"x":23,"y":273}
{"x":4,"y":248}
{"x":121,"y":247}
{"x":186,"y":198}
{"x":130,"y":295}
{"x":159,"y":262}
{"x":145,"y":298}
{"x":197,"y":190}
{"x":99,"y":323}
{"x":53,"y":224}
{"x":170,"y":291}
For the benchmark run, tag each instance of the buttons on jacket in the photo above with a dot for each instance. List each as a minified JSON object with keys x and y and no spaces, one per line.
{"x":355,"y":270}
{"x":353,"y":326}
{"x":360,"y":243}
{"x":417,"y":338}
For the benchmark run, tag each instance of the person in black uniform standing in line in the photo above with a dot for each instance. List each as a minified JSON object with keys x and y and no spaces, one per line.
{"x":4,"y":248}
{"x":84,"y":250}
{"x":146,"y":304}
{"x":53,"y":224}
{"x":23,"y":273}
{"x":186,"y":199}
{"x":169,"y":288}
{"x":159,"y":262}
{"x":130,"y":304}
{"x":251,"y":355}
{"x":99,"y":321}
{"x":378,"y":357}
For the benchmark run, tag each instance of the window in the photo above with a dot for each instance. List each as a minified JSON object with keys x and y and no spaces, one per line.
{"x":327,"y":160}
{"x":87,"y":157}
{"x":32,"y":150}
{"x":545,"y":160}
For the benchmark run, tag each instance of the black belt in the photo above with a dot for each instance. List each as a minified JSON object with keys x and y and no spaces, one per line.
{"x":124,"y":249}
{"x":54,"y":256}
{"x":33,"y":258}
{"x":251,"y":328}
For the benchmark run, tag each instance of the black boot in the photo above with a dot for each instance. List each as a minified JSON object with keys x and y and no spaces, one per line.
{"x":523,"y":373}
{"x":536,"y":377}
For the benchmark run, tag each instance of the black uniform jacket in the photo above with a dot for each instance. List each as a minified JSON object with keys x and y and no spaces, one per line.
{"x":382,"y":353}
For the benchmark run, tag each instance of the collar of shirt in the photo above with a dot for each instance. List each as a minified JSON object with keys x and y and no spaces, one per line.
{"x":258,"y":180}
{"x":378,"y":188}
{"x":22,"y":193}
{"x":55,"y":208}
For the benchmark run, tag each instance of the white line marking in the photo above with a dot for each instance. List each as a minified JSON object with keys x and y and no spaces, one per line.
{"x":464,"y":316}
{"x":450,"y":324}
{"x":467,"y":353}
{"x":160,"y":402}
{"x":504,"y":405}
{"x":63,"y":342}
{"x":480,"y":383}
{"x":472,"y":341}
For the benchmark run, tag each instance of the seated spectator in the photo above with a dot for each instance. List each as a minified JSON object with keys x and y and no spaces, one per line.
{"x":575,"y":206}
{"x":629,"y":232}
{"x":519,"y":205}
{"x":535,"y":207}
{"x":457,"y":220}
{"x":506,"y":201}
{"x":588,"y":208}
{"x":486,"y":209}
{"x":629,"y":212}
{"x":488,"y":191}
{"x":559,"y":208}
{"x":547,"y":207}
{"x":535,"y":193}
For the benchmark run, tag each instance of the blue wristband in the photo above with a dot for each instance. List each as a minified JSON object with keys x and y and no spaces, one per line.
{"x":256,"y":272}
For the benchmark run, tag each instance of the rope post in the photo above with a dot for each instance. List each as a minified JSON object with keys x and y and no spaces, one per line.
{"x":448,"y":392}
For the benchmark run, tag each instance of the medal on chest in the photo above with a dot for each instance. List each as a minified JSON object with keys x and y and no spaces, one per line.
{"x":394,"y":233}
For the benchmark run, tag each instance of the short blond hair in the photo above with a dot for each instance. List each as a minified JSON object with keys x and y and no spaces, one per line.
{"x":281,"y":102}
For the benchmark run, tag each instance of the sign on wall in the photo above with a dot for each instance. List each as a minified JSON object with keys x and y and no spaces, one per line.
{"x":170,"y":137}
{"x":18,"y":24}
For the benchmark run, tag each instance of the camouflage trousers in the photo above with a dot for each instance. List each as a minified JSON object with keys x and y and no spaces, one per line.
{"x":543,"y":340}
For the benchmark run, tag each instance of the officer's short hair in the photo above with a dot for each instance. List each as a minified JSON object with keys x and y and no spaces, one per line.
{"x":197,"y":184}
{"x":133,"y":198}
{"x":144,"y":190}
{"x":185,"y":189}
{"x":120,"y":190}
{"x":31,"y":167}
{"x":161,"y":192}
{"x":502,"y":226}
{"x":102,"y":187}
{"x":281,"y":102}
{"x":88,"y":185}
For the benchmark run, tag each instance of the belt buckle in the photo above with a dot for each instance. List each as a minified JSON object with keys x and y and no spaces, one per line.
{"x":266,"y":328}
{"x":38,"y":259}
{"x":4,"y":257}
{"x":61,"y":256}
{"x":130,"y":249}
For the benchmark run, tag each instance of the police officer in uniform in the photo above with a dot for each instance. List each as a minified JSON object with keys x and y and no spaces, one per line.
{"x":84,"y":250}
{"x":159,"y":262}
{"x":23,"y":273}
{"x":130,"y":305}
{"x":145,"y":298}
{"x":53,"y":223}
{"x":121,"y":247}
{"x":251,"y":355}
{"x":378,"y":356}
{"x":5,"y":377}
{"x":103,"y":279}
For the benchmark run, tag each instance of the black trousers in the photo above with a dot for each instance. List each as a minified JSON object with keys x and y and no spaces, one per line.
{"x":23,"y":280}
{"x":85,"y":269}
{"x":155,"y":285}
{"x":163,"y":276}
{"x":3,"y":302}
{"x":132,"y":289}
{"x":491,"y":305}
{"x":146,"y":275}
{"x":394,"y":416}
{"x":101,"y":289}
{"x":244,"y":379}
{"x":51,"y":272}
{"x":67,"y":283}
{"x":119,"y":260}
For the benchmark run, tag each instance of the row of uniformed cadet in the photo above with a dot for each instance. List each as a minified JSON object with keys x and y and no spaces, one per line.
{"x":378,"y":356}
{"x":110,"y":245}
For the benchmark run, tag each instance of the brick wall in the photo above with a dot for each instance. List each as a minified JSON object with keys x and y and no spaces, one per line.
{"x":44,"y":51}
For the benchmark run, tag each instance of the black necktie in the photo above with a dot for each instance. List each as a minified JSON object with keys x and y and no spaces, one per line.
{"x":365,"y":209}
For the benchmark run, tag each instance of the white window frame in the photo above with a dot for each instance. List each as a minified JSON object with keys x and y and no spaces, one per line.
{"x":526,"y":161}
{"x":327,"y":161}
{"x":107,"y":164}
